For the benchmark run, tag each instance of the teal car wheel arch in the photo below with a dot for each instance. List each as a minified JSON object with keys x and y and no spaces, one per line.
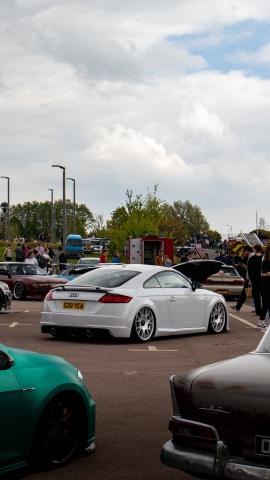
{"x":34,"y":385}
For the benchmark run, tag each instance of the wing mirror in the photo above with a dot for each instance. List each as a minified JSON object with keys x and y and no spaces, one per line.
{"x":195,"y":285}
{"x":6,"y":361}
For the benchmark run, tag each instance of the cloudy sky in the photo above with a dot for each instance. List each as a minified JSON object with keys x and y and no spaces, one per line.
{"x":129,"y":94}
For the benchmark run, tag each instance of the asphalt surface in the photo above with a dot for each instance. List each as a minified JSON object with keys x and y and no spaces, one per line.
{"x":130,"y":384}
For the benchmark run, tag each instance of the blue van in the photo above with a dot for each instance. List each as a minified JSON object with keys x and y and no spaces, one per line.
{"x":74,"y":246}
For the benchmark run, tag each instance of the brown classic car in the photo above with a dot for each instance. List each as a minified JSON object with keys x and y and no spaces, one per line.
{"x":221,"y":419}
{"x":214,"y":276}
{"x":26,"y":280}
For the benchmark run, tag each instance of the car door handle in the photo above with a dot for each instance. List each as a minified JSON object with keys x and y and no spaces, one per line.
{"x":172,"y":299}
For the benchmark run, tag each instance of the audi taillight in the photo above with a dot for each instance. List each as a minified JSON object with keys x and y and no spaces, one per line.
{"x":113,"y":298}
{"x":49,"y":296}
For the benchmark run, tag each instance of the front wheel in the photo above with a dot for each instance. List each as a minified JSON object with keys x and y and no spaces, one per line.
{"x":217,"y":318}
{"x":19,"y":291}
{"x":61,"y":430}
{"x":144,"y":325}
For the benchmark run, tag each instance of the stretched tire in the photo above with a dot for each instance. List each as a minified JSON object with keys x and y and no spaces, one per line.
{"x":217,"y":318}
{"x":144,"y":325}
{"x":2,"y":301}
{"x":61,"y":431}
{"x":19,"y":292}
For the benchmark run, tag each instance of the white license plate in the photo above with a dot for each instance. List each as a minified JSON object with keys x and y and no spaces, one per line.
{"x":263,"y":445}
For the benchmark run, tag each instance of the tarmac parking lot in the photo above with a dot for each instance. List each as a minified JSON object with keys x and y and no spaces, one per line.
{"x":130,"y":384}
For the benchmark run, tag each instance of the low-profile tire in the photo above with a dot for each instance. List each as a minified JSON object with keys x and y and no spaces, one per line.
{"x":144,"y":325}
{"x":2,"y":301}
{"x":61,"y":431}
{"x":217,"y":318}
{"x":19,"y":292}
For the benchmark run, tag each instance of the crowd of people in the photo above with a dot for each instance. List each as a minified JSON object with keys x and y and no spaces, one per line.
{"x":40,"y":255}
{"x":254,"y":266}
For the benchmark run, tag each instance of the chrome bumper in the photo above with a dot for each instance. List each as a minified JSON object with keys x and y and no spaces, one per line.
{"x":215,"y":464}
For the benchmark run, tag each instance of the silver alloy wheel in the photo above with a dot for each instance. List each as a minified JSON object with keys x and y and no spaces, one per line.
{"x":144,"y":324}
{"x":18,"y":291}
{"x":218,"y":318}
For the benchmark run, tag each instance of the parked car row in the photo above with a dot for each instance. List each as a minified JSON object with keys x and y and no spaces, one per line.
{"x":220,"y":421}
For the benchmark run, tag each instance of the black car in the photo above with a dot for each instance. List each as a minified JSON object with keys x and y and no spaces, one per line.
{"x":221,"y":419}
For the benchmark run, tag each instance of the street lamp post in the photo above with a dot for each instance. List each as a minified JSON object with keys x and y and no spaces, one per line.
{"x":8,"y":208}
{"x":52,"y":215}
{"x":64,"y":202}
{"x":74,"y":203}
{"x":230,"y":231}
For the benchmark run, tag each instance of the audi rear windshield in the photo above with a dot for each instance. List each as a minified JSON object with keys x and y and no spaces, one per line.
{"x":103,"y":277}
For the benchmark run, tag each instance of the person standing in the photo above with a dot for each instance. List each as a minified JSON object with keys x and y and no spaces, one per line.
{"x":265,"y":283}
{"x":159,"y":259}
{"x":116,"y":257}
{"x":62,"y":260}
{"x":8,"y":253}
{"x":104,"y":255}
{"x":241,"y":267}
{"x":31,"y":259}
{"x":19,"y":253}
{"x":254,"y":274}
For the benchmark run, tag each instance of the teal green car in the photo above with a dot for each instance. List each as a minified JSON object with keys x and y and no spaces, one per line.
{"x":47,"y":414}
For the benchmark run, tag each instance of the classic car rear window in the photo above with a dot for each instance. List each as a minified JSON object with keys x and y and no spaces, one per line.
{"x":105,"y":277}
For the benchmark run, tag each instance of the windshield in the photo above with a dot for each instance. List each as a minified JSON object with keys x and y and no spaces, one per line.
{"x":74,"y":242}
{"x":108,"y":278}
{"x":25,"y":269}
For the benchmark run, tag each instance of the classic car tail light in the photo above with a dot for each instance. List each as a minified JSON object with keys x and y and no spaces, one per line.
{"x":193,"y":434}
{"x":188,"y":428}
{"x":113,"y":298}
{"x":49,"y":296}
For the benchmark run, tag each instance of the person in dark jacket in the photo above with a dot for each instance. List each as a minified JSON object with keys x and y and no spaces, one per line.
{"x":254,"y":274}
{"x":265,"y":283}
{"x":242,"y":268}
{"x":19,"y":255}
{"x":62,"y":259}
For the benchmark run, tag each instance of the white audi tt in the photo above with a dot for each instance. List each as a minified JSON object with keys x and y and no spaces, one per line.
{"x":141,"y":301}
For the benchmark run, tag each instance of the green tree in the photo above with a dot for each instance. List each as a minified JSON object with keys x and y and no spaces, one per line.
{"x":30,"y":219}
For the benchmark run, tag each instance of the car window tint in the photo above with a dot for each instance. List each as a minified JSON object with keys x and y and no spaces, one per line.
{"x":151,"y":283}
{"x":172,"y":280}
{"x":105,"y":277}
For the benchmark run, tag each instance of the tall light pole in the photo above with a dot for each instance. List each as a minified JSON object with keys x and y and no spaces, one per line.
{"x":74,"y":203}
{"x":230,"y":231}
{"x":64,"y":202}
{"x":8,"y":208}
{"x":52,"y":215}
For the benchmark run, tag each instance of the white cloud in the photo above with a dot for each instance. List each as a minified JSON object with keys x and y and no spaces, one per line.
{"x":100,"y":89}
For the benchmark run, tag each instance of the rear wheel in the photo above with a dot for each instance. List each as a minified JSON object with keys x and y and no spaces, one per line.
{"x":217,"y":318}
{"x":144,"y":325}
{"x":2,"y":301}
{"x":19,"y":291}
{"x":61,"y":430}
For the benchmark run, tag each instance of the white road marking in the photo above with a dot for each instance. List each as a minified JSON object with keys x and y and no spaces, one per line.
{"x":246,"y":322}
{"x":15,"y":324}
{"x":149,"y":349}
{"x":131,"y":373}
